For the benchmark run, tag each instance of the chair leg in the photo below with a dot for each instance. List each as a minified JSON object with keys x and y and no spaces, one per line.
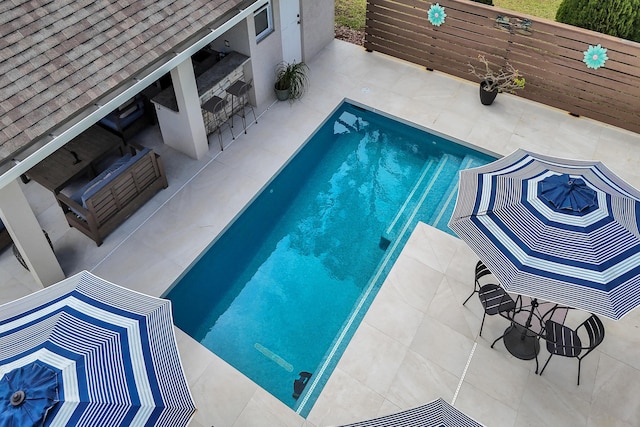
{"x":232,"y":99}
{"x":545,"y":364}
{"x":220,"y":137}
{"x":506,"y":331}
{"x":244,"y":117}
{"x":497,"y":339}
{"x":469,"y":297}
{"x":255,"y":118}
{"x":482,"y":324}
{"x":579,"y":363}
{"x":245,"y":105}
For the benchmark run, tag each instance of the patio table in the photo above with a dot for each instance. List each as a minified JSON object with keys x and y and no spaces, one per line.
{"x":77,"y":157}
{"x":522,"y":337}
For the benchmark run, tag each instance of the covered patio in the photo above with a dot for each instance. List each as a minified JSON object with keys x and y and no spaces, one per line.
{"x":417,"y":342}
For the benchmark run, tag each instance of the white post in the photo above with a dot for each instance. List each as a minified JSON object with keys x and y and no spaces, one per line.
{"x":184,"y":130}
{"x":27,"y":235}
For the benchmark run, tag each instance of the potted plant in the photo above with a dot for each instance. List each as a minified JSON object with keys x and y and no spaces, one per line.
{"x":506,"y":79}
{"x":291,"y":80}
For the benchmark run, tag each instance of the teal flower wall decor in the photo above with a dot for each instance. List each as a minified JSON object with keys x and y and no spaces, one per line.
{"x":436,"y":14}
{"x":595,"y":56}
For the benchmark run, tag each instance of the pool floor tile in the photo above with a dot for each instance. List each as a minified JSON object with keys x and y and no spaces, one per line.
{"x":374,"y":358}
{"x":477,"y":404}
{"x":420,"y":380}
{"x":344,"y":400}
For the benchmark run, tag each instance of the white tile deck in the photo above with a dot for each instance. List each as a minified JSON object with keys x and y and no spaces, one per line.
{"x":417,"y":340}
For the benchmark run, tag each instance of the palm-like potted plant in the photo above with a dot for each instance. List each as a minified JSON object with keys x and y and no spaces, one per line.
{"x":506,"y":79}
{"x":291,"y":80}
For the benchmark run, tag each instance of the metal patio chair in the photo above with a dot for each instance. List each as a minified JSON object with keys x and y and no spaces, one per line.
{"x":239,"y":92}
{"x":495,"y":300}
{"x":217,"y":107}
{"x":564,"y":341}
{"x":481,"y":271}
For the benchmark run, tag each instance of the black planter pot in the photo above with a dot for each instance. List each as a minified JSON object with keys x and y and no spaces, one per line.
{"x":282,"y":94}
{"x":487,"y":97}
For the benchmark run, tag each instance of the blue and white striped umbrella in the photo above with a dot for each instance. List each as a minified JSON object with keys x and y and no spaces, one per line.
{"x":437,"y":413}
{"x":565,"y":231}
{"x":111,"y":350}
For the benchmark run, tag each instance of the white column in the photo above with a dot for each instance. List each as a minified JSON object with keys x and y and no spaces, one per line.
{"x":27,"y":235}
{"x":184,"y":130}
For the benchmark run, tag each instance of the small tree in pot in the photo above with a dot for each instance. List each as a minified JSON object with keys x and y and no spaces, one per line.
{"x":506,"y":79}
{"x":291,"y":80}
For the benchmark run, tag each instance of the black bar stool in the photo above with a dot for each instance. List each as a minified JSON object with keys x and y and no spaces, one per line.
{"x":217,"y":107}
{"x":239,"y":92}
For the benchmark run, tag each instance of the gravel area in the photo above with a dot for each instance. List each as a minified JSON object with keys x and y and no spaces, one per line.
{"x":350,"y":35}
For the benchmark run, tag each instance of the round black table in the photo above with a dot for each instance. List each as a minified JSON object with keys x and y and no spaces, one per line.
{"x":522,"y":338}
{"x":521,"y":342}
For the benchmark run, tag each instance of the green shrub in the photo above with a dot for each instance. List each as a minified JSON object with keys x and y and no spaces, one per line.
{"x":619,"y":18}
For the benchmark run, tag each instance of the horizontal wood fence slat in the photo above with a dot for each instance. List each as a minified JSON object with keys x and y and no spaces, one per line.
{"x":548,"y":54}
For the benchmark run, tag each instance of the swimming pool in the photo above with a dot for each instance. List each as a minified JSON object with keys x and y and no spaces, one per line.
{"x":284,"y":288}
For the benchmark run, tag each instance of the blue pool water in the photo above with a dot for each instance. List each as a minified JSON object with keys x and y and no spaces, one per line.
{"x":284,"y":288}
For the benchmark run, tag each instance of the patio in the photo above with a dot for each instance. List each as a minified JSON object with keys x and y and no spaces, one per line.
{"x":417,"y":342}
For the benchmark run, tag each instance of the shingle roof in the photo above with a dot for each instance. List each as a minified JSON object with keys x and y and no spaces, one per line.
{"x":57,"y":58}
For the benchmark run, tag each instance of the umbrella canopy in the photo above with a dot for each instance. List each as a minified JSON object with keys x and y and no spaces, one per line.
{"x":565,"y":231}
{"x":87,"y":352}
{"x":434,"y":414}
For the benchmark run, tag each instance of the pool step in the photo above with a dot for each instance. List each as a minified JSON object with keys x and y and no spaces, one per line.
{"x":448,"y":201}
{"x":423,"y":179}
{"x":418,"y":201}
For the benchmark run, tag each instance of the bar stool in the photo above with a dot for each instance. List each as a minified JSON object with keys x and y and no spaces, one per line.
{"x":240,"y":90}
{"x":217,"y":107}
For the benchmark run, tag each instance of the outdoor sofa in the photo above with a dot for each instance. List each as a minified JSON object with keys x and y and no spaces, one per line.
{"x":106,"y":201}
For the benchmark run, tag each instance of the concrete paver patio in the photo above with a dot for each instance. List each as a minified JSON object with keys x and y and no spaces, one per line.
{"x":417,"y":342}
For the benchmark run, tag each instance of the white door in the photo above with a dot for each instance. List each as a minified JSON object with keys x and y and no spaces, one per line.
{"x":290,"y":22}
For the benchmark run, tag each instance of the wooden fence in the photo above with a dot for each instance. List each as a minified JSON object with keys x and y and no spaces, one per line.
{"x":548,"y":54}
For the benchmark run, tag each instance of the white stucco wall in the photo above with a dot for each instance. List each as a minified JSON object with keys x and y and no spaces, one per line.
{"x":317,"y":30}
{"x":318,"y":17}
{"x":265,"y":56}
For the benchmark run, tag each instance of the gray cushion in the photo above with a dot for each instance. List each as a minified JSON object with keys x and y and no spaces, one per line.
{"x":77,"y":196}
{"x":113,"y":171}
{"x":99,"y":182}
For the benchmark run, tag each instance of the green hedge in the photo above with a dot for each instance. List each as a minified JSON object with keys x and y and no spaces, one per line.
{"x":619,"y":18}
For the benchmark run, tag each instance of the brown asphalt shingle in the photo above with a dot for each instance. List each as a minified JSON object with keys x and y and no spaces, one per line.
{"x":57,"y":58}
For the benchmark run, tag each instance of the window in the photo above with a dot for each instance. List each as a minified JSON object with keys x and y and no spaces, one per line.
{"x":263,"y":21}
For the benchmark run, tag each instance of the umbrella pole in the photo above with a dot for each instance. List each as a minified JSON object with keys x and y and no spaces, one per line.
{"x":527,"y":325}
{"x":519,"y":339}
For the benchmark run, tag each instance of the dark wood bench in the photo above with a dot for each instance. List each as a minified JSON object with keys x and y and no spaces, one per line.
{"x":110,"y":198}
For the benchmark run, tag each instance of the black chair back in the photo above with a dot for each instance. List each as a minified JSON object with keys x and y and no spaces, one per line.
{"x":564,"y":341}
{"x":481,"y":271}
{"x":595,"y":330}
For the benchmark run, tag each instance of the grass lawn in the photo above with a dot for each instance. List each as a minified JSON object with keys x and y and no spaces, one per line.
{"x":540,"y":8}
{"x":351,"y":13}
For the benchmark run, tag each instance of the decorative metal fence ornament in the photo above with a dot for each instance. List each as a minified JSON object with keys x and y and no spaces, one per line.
{"x":436,"y":14}
{"x":595,"y":56}
{"x":514,"y":24}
